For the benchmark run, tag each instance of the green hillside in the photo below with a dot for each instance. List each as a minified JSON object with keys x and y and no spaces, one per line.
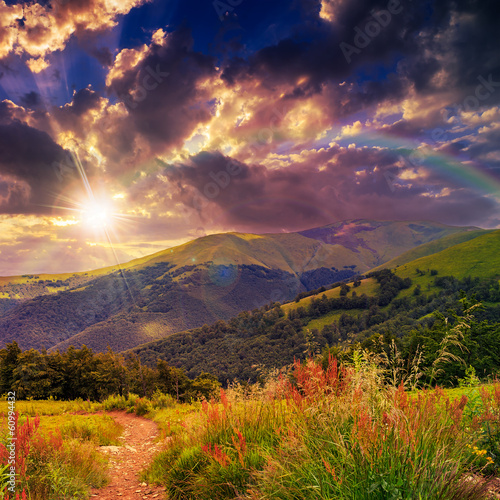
{"x":211,"y":278}
{"x":432,"y":248}
{"x":379,"y":307}
{"x":475,"y":254}
{"x":368,"y":286}
{"x":478,"y":258}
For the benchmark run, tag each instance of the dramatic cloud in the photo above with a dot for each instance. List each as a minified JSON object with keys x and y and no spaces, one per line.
{"x":28,"y":173}
{"x":269,"y":119}
{"x":164,"y":88}
{"x":35,"y":31}
{"x":317,"y":187}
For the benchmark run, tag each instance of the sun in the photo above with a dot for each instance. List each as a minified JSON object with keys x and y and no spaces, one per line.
{"x":97,"y":214}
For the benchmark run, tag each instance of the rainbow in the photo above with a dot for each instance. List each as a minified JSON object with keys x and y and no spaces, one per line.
{"x":468,"y":173}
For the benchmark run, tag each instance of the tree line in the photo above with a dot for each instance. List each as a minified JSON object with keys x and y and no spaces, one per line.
{"x":81,"y":373}
{"x":267,"y":338}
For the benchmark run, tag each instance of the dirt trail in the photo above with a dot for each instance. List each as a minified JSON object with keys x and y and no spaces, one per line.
{"x":128,"y":460}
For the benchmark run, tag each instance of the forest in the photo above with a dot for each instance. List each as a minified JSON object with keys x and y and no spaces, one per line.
{"x":253,"y":343}
{"x":441,"y":336}
{"x":81,"y":373}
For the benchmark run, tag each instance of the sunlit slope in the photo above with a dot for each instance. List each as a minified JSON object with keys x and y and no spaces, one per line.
{"x":289,"y":252}
{"x":30,"y":286}
{"x":359,"y":244}
{"x":479,"y":258}
{"x":433,"y":247}
{"x":210,"y":278}
{"x":235,"y":349}
{"x":369,"y":286}
{"x":474,"y":254}
{"x":386,"y":239}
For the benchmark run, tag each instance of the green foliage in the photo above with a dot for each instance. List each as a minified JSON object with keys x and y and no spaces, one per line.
{"x":102,"y":430}
{"x":152,"y":297}
{"x":79,"y":374}
{"x":50,"y":467}
{"x":323,"y":433}
{"x":273,"y":336}
{"x":470,"y":379}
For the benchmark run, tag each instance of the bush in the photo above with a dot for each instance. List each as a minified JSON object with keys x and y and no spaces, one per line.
{"x":160,"y":400}
{"x":141,"y":407}
{"x":101,"y":430}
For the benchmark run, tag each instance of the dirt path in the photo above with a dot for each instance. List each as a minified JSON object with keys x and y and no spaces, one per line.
{"x":128,"y":460}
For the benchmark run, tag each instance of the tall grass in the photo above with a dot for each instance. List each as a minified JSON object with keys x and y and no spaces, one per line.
{"x":102,"y":430}
{"x":132,"y":403}
{"x":59,"y":464}
{"x":330,"y":433}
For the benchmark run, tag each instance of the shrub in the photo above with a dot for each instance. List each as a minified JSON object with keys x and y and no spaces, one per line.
{"x":160,"y":400}
{"x":141,"y":407}
{"x":101,"y":430}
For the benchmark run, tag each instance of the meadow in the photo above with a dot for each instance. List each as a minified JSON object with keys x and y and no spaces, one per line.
{"x":314,"y":432}
{"x":334,"y":433}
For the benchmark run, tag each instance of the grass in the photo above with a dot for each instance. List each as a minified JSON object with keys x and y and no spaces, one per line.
{"x":473,"y":253}
{"x":51,"y":407}
{"x":330,"y":318}
{"x":368,"y":286}
{"x":319,"y":432}
{"x":58,"y":455}
{"x":335,"y":433}
{"x":478,"y":257}
{"x":431,"y":248}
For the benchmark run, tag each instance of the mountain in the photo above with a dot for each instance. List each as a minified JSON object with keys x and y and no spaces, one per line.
{"x":210,"y":278}
{"x":479,"y":257}
{"x":432,"y":247}
{"x":380,"y":307}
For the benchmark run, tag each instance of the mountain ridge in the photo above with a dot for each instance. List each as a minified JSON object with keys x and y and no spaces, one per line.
{"x":210,"y":278}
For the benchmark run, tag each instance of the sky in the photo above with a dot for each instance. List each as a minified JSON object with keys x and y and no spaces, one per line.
{"x":130,"y":126}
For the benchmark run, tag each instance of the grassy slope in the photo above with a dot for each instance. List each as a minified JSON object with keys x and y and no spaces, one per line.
{"x":291,"y":252}
{"x":469,"y":258}
{"x":474,"y":254}
{"x":368,"y":286}
{"x":479,"y":257}
{"x":354,"y":243}
{"x":432,"y":247}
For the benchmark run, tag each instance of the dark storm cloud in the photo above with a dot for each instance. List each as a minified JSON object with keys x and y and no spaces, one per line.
{"x":31,"y":100}
{"x":83,"y":101}
{"x":474,"y":42}
{"x":423,"y":38}
{"x":28,"y":176}
{"x":314,"y":49}
{"x":103,"y":55}
{"x":161,"y":93}
{"x":70,"y":116}
{"x":304,"y":195}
